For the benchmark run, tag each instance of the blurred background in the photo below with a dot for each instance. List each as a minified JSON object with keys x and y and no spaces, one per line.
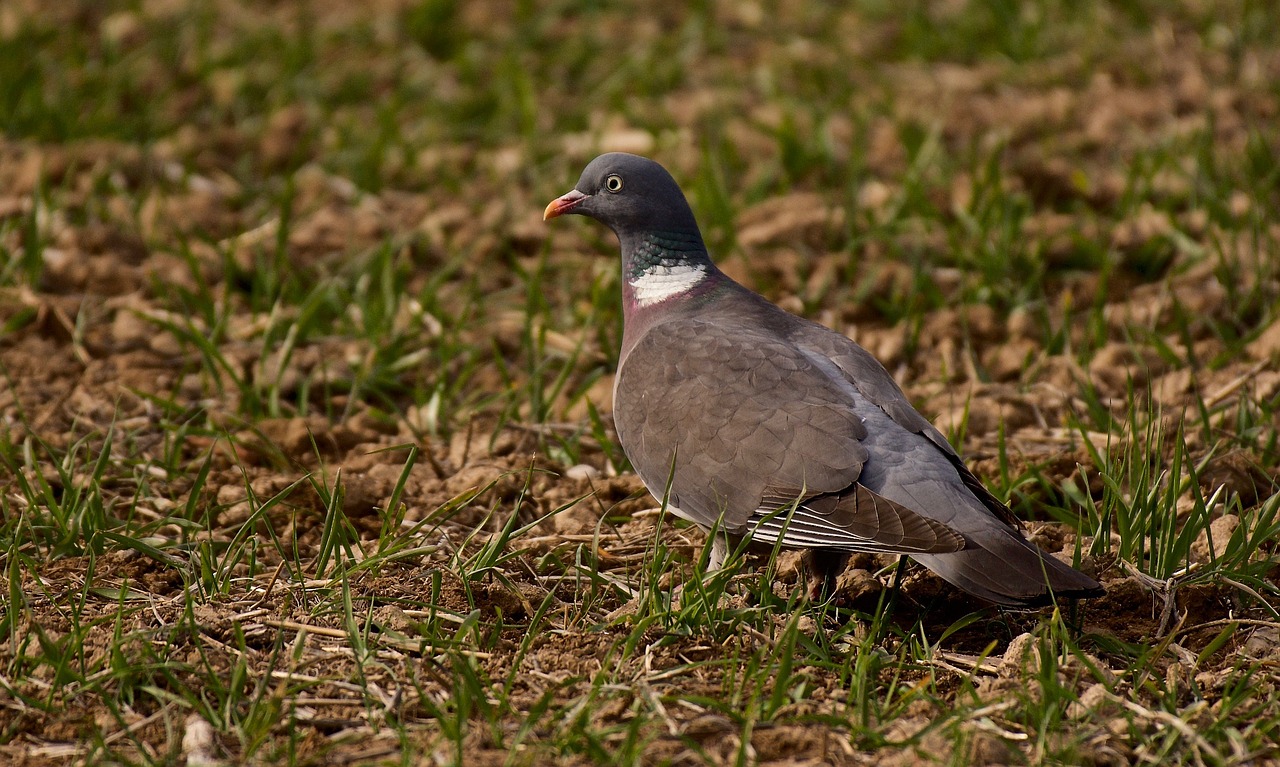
{"x":869,"y":164}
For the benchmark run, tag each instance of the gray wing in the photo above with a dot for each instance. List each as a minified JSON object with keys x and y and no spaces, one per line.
{"x":912,"y":463}
{"x":856,"y":519}
{"x":874,"y":382}
{"x":752,"y":432}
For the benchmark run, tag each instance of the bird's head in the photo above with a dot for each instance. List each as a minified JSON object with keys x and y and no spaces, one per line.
{"x":629,"y":194}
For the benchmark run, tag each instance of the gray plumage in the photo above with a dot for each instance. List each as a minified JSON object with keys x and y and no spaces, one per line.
{"x":776,"y":428}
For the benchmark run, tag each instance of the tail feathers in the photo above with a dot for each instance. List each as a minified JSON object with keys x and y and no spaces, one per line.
{"x":1003,"y":567}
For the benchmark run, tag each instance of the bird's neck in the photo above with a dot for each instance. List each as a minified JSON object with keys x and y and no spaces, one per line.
{"x":658,"y":267}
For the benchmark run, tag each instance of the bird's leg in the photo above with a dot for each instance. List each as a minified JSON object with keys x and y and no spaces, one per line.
{"x":897,"y":574}
{"x":825,"y":567}
{"x":888,"y":601}
{"x":896,"y":588}
{"x":1074,"y":619}
{"x":716,"y":559}
{"x":719,"y":553}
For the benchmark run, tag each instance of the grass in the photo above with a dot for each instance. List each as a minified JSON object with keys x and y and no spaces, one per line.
{"x":305,"y":451}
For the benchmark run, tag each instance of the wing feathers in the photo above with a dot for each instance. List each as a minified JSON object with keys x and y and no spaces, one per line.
{"x":854,"y":520}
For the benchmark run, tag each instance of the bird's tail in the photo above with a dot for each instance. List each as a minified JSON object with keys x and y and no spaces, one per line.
{"x":1003,"y":567}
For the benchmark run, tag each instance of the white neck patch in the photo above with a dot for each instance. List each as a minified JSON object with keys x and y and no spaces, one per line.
{"x":662,"y":282}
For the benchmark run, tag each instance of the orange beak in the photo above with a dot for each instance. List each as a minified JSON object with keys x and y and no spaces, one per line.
{"x":563,"y":204}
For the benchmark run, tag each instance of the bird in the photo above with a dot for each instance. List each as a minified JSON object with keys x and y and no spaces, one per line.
{"x":755,"y":423}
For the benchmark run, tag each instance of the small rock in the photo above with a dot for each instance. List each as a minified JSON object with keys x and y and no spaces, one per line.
{"x":1267,"y":345}
{"x":1023,"y":325}
{"x":1117,"y":366}
{"x":392,"y":618}
{"x":1119,"y":728}
{"x":1262,"y":643}
{"x":1006,"y":361}
{"x":707,"y":725}
{"x":789,"y":566}
{"x":1091,"y":665}
{"x":1239,"y":474}
{"x":362,"y":495}
{"x":476,"y":477}
{"x":1021,"y":657}
{"x":231,"y":494}
{"x":164,"y":343}
{"x":874,"y":195}
{"x":987,"y":749}
{"x":989,"y":407}
{"x":199,"y":743}
{"x":131,"y":331}
{"x":293,"y":436}
{"x":578,"y":519}
{"x":1172,"y":386}
{"x":1094,"y":696}
{"x":858,"y":585}
{"x":582,"y":471}
{"x":1212,"y":541}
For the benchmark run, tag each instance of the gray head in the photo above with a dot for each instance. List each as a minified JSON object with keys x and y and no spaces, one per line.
{"x":629,"y":194}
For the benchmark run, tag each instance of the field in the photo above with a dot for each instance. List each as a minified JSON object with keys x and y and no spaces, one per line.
{"x":306,"y":454}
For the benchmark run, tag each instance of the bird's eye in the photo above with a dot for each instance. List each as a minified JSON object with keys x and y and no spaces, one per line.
{"x":613,"y":183}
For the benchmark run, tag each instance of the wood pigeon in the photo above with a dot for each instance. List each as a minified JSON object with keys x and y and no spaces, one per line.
{"x":761,"y":424}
